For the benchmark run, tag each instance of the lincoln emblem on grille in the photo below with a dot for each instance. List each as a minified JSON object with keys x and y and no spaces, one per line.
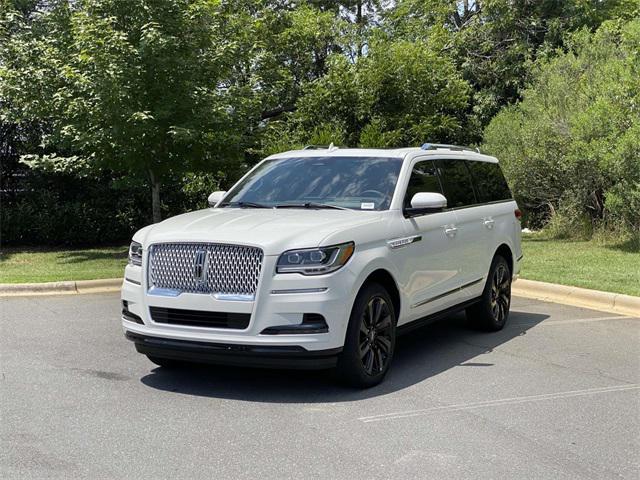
{"x":200,"y":265}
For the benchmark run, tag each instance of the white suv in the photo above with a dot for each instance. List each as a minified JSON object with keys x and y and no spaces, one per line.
{"x":318,"y":258}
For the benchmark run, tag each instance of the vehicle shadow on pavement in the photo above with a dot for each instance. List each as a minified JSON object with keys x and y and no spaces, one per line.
{"x":423,"y":353}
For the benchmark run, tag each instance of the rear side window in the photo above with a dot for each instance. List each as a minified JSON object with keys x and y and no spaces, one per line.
{"x":456,"y":182}
{"x":424,"y":178}
{"x":491,"y":185}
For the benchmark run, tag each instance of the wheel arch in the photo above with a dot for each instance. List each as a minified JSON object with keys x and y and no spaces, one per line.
{"x":383,"y":277}
{"x":505,"y":251}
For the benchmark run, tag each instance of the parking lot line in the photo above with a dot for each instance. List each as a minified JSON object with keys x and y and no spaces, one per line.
{"x":575,"y":320}
{"x":494,"y":403}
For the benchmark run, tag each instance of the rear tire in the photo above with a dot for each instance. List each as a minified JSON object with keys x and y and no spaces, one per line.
{"x":168,"y":363}
{"x":492,"y":311}
{"x":370,"y":339}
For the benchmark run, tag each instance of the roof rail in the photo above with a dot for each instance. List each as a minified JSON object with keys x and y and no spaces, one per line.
{"x":435,"y":146}
{"x":331,"y":146}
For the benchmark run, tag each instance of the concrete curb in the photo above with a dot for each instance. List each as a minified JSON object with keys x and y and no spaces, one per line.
{"x":60,"y":288}
{"x":578,"y":297}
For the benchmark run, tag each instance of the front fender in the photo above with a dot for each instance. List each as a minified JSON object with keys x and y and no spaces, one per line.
{"x":370,"y":261}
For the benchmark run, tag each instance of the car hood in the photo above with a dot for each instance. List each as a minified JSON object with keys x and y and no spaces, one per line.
{"x":273,"y":230}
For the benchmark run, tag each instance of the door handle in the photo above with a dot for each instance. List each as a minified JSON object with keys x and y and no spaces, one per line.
{"x":488,"y":222}
{"x":450,"y":230}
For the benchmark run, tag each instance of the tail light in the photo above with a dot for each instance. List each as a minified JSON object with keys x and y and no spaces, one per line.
{"x":518,"y":213}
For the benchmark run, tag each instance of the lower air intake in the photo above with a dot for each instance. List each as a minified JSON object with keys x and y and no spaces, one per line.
{"x":200,"y":318}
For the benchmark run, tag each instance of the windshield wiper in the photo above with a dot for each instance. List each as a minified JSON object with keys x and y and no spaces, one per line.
{"x":244,"y":205}
{"x":311,"y":205}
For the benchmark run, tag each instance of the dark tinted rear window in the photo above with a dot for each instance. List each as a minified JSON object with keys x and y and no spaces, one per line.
{"x":456,"y":182}
{"x":491,"y":185}
{"x":424,"y":178}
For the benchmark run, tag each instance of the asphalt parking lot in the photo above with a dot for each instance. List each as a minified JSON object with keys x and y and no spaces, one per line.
{"x":554,"y":395}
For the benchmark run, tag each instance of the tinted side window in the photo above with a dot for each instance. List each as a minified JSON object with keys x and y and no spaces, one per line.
{"x":491,"y":185}
{"x":456,"y":182}
{"x":424,"y":178}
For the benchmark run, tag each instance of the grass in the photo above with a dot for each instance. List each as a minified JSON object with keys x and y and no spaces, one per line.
{"x":46,"y":265}
{"x":612,"y":267}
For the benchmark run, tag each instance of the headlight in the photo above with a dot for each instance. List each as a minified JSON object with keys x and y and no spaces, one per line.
{"x":315,"y":261}
{"x":135,"y":254}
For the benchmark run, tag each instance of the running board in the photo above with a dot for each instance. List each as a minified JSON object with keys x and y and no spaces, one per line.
{"x":421,"y":322}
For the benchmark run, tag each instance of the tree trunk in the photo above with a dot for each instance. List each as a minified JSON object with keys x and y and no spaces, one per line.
{"x":360,"y":24}
{"x":155,"y":197}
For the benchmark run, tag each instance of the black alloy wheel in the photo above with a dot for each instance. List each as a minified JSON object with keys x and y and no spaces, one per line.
{"x":491,"y":312}
{"x":370,"y":339}
{"x":375,"y":336}
{"x":500,"y":293}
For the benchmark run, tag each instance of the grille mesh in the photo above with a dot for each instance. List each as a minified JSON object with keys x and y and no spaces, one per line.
{"x":229,"y":269}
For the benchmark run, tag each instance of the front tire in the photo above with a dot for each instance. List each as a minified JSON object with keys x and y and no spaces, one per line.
{"x":492,"y":311}
{"x":370,"y":339}
{"x":167,"y":363}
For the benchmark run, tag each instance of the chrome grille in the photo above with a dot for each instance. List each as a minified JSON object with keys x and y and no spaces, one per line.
{"x":205,"y":268}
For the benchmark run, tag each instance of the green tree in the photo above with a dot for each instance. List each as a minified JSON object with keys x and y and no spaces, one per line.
{"x":288,"y":48}
{"x":143,"y":87}
{"x":185,"y":89}
{"x":400,"y":93}
{"x":572,"y":146}
{"x":493,"y":42}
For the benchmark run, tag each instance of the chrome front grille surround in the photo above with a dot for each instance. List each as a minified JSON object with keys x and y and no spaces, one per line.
{"x":225,"y":271}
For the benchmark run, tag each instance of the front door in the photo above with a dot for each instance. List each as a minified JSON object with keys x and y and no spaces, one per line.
{"x":428,"y":256}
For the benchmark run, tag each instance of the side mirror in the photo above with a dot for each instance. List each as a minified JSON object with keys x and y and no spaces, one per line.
{"x":426,"y":202}
{"x":215,"y":197}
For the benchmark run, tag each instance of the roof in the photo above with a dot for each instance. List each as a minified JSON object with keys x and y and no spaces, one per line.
{"x":434,"y":150}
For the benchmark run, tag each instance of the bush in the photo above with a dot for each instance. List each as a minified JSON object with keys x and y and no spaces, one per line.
{"x":45,"y":208}
{"x":571,"y":147}
{"x":49,"y":209}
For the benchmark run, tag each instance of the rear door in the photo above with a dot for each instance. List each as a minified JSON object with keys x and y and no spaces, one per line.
{"x":458,"y":187}
{"x":496,"y":206}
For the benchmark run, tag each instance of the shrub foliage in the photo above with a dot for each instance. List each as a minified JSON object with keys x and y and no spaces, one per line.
{"x":571,"y":147}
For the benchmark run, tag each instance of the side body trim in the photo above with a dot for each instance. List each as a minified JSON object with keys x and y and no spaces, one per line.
{"x":438,"y":297}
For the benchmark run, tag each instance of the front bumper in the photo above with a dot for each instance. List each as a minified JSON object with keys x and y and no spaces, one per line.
{"x":264,"y":356}
{"x":277,"y":314}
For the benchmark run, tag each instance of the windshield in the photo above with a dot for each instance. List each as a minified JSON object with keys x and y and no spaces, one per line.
{"x":362,"y":183}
